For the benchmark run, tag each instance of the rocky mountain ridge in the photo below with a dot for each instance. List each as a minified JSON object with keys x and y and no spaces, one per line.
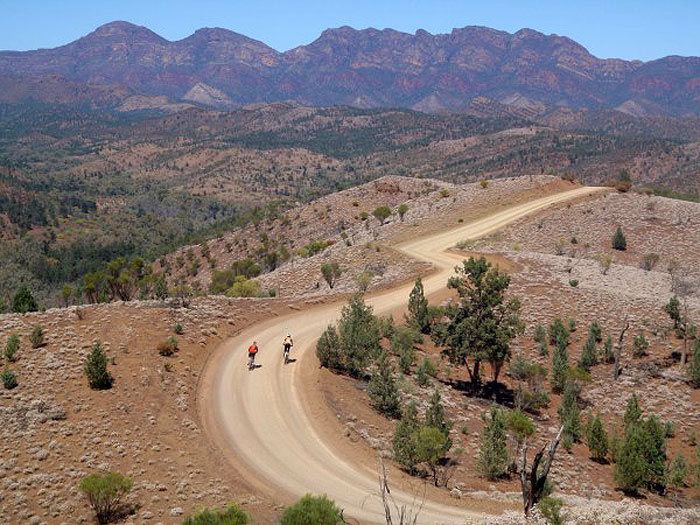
{"x":363,"y":68}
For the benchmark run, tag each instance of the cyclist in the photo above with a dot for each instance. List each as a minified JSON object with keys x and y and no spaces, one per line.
{"x":252,"y":350}
{"x":288,"y":343}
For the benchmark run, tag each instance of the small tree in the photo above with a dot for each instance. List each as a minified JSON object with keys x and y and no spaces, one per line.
{"x":328,"y":350}
{"x":569,"y":414}
{"x":596,"y":331}
{"x":483,"y":324}
{"x":160,"y":287}
{"x":23,"y":301}
{"x":618,"y":241}
{"x":8,"y":378}
{"x":435,"y":417}
{"x":401,"y":210}
{"x":633,"y":414}
{"x":105,"y":493}
{"x":364,"y":279}
{"x":418,"y":312}
{"x":403,"y":444}
{"x":630,"y":466}
{"x":36,"y":338}
{"x":558,"y":333}
{"x":589,"y":355}
{"x":95,"y":369}
{"x":608,"y":353}
{"x":382,"y":213}
{"x":431,"y":445}
{"x":597,"y":439}
{"x":66,"y":294}
{"x":402,"y":341}
{"x":312,"y":510}
{"x":493,"y":458}
{"x":382,"y":388}
{"x":641,"y":345}
{"x":358,"y":332}
{"x":11,"y":348}
{"x":560,"y":366}
{"x":678,"y":471}
{"x":331,"y":273}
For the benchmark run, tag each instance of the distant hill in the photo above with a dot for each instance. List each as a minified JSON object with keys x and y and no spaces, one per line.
{"x":471,"y":69}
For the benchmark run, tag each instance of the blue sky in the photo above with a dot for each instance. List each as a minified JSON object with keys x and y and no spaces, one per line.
{"x":642,"y":29}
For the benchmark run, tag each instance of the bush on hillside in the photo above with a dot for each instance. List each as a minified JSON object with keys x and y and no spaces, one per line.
{"x":312,"y":510}
{"x":95,"y":369}
{"x":105,"y":493}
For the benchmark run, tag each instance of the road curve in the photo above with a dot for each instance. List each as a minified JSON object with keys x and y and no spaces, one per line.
{"x":258,"y":418}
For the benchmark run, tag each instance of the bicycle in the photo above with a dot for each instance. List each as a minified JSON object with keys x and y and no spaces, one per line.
{"x":285,"y":353}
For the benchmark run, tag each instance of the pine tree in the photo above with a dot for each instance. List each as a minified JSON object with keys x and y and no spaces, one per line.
{"x":382,"y":388}
{"x":435,"y":417}
{"x":569,"y":413}
{"x":633,"y":414}
{"x":560,"y":365}
{"x":678,"y":471}
{"x":95,"y":369}
{"x":597,"y":439}
{"x":596,"y":330}
{"x":403,"y":444}
{"x":558,"y":333}
{"x":493,"y":457}
{"x":619,"y":242}
{"x":631,"y":467}
{"x":328,"y":350}
{"x":608,"y":354}
{"x":419,"y":314}
{"x":589,"y":354}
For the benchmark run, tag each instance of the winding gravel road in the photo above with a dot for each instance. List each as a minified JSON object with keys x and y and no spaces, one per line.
{"x":260,"y":422}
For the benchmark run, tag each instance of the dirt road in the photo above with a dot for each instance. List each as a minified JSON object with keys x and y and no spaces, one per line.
{"x":258,"y":417}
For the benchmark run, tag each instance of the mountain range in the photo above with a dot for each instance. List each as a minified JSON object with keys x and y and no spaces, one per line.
{"x":477,"y":69}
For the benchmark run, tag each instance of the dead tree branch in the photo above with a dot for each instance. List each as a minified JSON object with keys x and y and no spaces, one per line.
{"x":532,"y":483}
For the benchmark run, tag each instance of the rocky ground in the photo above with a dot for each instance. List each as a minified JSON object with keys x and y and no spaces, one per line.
{"x":56,"y":429}
{"x":344,"y":220}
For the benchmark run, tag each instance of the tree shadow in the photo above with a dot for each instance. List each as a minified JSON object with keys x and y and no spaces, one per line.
{"x":497,"y":392}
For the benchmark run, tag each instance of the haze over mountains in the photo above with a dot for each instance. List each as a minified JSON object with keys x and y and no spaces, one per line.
{"x":471,"y":69}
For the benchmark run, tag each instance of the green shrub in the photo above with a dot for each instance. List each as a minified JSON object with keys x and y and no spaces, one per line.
{"x":23,"y":301}
{"x":178,"y":329}
{"x":649,"y":261}
{"x":608,"y":353}
{"x":312,"y":510}
{"x":550,"y":508}
{"x":328,"y":350}
{"x":36,"y":338}
{"x":231,"y":515}
{"x":8,"y":378}
{"x":168,"y":347}
{"x":401,"y":210}
{"x":243,"y":287}
{"x":618,"y":241}
{"x":95,"y":369}
{"x":105,"y":492}
{"x":678,"y":471}
{"x":11,"y":348}
{"x":641,"y":345}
